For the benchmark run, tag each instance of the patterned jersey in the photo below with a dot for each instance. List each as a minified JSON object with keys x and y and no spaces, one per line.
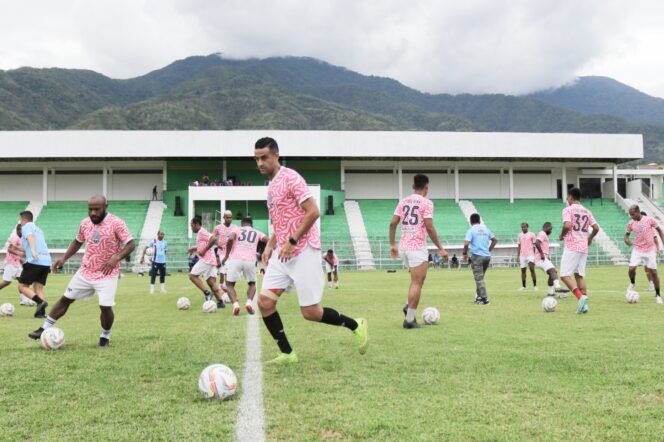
{"x":544,"y":243}
{"x":246,"y":242}
{"x":202,"y":239}
{"x":10,"y":258}
{"x":644,"y":233}
{"x":222,"y":232}
{"x":576,"y":239}
{"x":412,"y":211}
{"x":102,"y":240}
{"x":333,"y":262}
{"x":285,"y":194}
{"x":527,"y":243}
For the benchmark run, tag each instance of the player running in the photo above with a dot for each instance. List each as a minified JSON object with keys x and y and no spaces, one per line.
{"x":415,"y":216}
{"x":219,"y":240}
{"x":526,"y":252}
{"x":13,"y":265}
{"x":37,"y":263}
{"x":543,"y":262}
{"x":296,"y":259}
{"x":159,"y":247}
{"x":206,"y":266}
{"x":651,"y":284}
{"x":577,"y":221}
{"x":645,"y":247}
{"x":241,"y":257}
{"x":481,"y":241}
{"x":331,"y":268}
{"x":108,"y":241}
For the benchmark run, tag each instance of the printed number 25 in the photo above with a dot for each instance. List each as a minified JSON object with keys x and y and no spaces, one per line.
{"x":410,"y":215}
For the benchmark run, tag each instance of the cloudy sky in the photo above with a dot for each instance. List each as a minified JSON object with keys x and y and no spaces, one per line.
{"x":474,"y":46}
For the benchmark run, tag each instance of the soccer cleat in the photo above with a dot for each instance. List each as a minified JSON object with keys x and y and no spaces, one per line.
{"x":362,"y":335}
{"x":336,"y":286}
{"x":283,"y":359}
{"x":236,"y":309}
{"x":658,"y":300}
{"x":521,"y":289}
{"x":152,"y":290}
{"x":221,"y":304}
{"x":409,"y":325}
{"x":582,"y":306}
{"x":36,"y":334}
{"x":535,"y":288}
{"x":250,"y":309}
{"x":477,"y":299}
{"x":103,"y":343}
{"x":41,"y":310}
{"x":329,"y":285}
{"x":483,"y":301}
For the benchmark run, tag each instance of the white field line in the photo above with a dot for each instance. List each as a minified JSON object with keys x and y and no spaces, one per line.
{"x":250,"y":424}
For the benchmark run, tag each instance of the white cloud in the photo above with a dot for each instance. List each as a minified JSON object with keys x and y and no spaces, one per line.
{"x":475,"y":46}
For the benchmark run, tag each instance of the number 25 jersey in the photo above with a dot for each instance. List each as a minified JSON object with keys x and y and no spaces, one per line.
{"x":412,"y":211}
{"x":581,"y":219}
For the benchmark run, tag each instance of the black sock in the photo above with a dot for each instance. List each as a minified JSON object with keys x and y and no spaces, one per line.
{"x":631,"y":279}
{"x":37,"y":299}
{"x":276,"y":329}
{"x":523,"y":283}
{"x":333,"y":317}
{"x":534,"y":283}
{"x":656,"y":291}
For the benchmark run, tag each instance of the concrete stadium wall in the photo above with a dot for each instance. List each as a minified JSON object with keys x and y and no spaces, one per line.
{"x":20,"y":187}
{"x":122,"y":186}
{"x":73,"y":187}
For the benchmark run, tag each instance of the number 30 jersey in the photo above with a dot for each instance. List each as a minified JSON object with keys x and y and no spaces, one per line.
{"x":581,"y":219}
{"x":246,"y":242}
{"x":412,"y":211}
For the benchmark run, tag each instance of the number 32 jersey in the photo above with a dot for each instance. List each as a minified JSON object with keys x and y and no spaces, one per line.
{"x":581,"y":219}
{"x":412,"y":211}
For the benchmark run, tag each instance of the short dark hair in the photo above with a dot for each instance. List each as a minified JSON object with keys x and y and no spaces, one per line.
{"x":197,"y":220}
{"x":248,"y":220}
{"x":575,"y":193}
{"x":475,"y":218}
{"x":419,"y":181}
{"x":27,"y":215}
{"x":330,"y":251}
{"x":546,"y":224}
{"x":644,"y":214}
{"x":268,"y":142}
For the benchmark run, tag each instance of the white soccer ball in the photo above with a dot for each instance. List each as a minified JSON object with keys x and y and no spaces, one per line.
{"x":632,"y":296}
{"x":209,"y":306}
{"x":7,"y":309}
{"x":549,"y":304}
{"x":430,"y":315}
{"x":149,"y":251}
{"x":52,"y":338}
{"x":226,"y":298}
{"x":183,"y":303}
{"x":217,"y":381}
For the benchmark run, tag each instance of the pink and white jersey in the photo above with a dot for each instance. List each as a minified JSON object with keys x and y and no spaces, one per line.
{"x":202,"y":239}
{"x":222,"y":232}
{"x":576,"y":239}
{"x":527,"y":243}
{"x":412,"y":211}
{"x":333,"y":262}
{"x":10,"y":258}
{"x":102,"y":241}
{"x":644,"y":233}
{"x":544,"y":242}
{"x":246,"y":242}
{"x":286,"y":192}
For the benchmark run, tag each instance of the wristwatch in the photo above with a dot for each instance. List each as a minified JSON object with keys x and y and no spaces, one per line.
{"x":292,"y":241}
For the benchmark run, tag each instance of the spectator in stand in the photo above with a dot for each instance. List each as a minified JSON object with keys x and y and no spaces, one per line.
{"x":154,"y":194}
{"x":436,"y":260}
{"x":455,"y":262}
{"x":206,"y":180}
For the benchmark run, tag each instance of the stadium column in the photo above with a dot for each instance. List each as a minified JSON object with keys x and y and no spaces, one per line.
{"x":224,"y":173}
{"x":615,"y":183}
{"x":164,"y":181}
{"x":456,"y":183}
{"x":104,"y":182}
{"x":45,"y":185}
{"x":343,"y":177}
{"x":400,"y":172}
{"x":511,"y":173}
{"x":563,"y":184}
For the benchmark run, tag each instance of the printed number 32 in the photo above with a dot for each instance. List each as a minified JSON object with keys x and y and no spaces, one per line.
{"x":410,"y":215}
{"x":578,"y":220}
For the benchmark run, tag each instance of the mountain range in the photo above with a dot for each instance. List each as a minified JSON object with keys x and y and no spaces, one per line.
{"x":212,"y":92}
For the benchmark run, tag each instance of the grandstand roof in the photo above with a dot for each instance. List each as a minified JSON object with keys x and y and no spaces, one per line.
{"x":99,"y":144}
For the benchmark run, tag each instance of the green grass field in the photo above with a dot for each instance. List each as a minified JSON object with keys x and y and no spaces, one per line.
{"x":506,"y":371}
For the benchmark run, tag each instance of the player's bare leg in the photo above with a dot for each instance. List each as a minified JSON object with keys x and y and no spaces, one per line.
{"x":655,"y":280}
{"x":37,"y":295}
{"x":106,"y":318}
{"x":417,"y":276}
{"x":57,"y":311}
{"x":336,"y":278}
{"x":523,"y":278}
{"x":330,"y":316}
{"x":251,"y":293}
{"x":4,"y":284}
{"x":578,"y":287}
{"x":554,"y":283}
{"x":533,"y":276}
{"x":230,"y":289}
{"x":631,"y":272}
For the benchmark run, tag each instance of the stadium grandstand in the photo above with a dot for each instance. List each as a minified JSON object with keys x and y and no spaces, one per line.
{"x":357,"y":178}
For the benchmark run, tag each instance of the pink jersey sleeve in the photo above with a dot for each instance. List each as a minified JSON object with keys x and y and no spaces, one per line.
{"x":299,"y":188}
{"x":629,"y":226}
{"x":427,"y":209}
{"x":80,"y":236}
{"x":653,"y":223}
{"x":541,"y":236}
{"x":567,"y":215}
{"x":122,"y":232}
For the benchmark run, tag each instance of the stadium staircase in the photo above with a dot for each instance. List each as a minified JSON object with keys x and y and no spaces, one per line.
{"x":358,"y":235}
{"x":176,"y":230}
{"x":468,"y":208}
{"x":335,"y":235}
{"x":149,"y":231}
{"x":612,"y":221}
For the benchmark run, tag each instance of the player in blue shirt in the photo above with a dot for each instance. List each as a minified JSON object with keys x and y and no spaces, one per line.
{"x":37,"y":263}
{"x":481,"y":242}
{"x":159,"y":247}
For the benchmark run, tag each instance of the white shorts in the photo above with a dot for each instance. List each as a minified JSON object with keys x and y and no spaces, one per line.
{"x":329,"y":268}
{"x":544,"y":264}
{"x":414,"y":258}
{"x":224,"y":268}
{"x":11,"y":273}
{"x":573,"y":263}
{"x":81,"y":288}
{"x":647,"y":259}
{"x":525,"y":260}
{"x":238,"y":267}
{"x":303,"y":271}
{"x":202,"y":268}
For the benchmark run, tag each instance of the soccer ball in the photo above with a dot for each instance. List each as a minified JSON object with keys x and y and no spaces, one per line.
{"x":549,"y":304}
{"x":217,"y":381}
{"x":7,"y":309}
{"x":430,"y":315}
{"x":209,"y":306}
{"x":52,"y":338}
{"x":149,"y":251}
{"x":632,"y":296}
{"x":183,"y":303}
{"x":226,"y":298}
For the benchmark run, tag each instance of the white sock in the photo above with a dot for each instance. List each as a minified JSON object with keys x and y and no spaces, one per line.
{"x":631,"y":286}
{"x":163,"y":287}
{"x":556,"y":284}
{"x":105,"y":334}
{"x":236,"y":304}
{"x":410,"y":314}
{"x":550,"y":290}
{"x":151,"y":288}
{"x":249,"y":302}
{"x":48,"y":323}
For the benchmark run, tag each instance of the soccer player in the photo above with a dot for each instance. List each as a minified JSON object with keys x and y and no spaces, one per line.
{"x":241,"y":257}
{"x":206,"y":266}
{"x":108,"y":241}
{"x":293,"y":253}
{"x":651,"y":284}
{"x":577,"y":223}
{"x":219,"y":239}
{"x":526,"y":251}
{"x":415,"y":216}
{"x":159,"y":248}
{"x":331,"y":268}
{"x":645,"y":247}
{"x":481,"y":242}
{"x":37,"y":263}
{"x":543,"y":262}
{"x":13,"y":266}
